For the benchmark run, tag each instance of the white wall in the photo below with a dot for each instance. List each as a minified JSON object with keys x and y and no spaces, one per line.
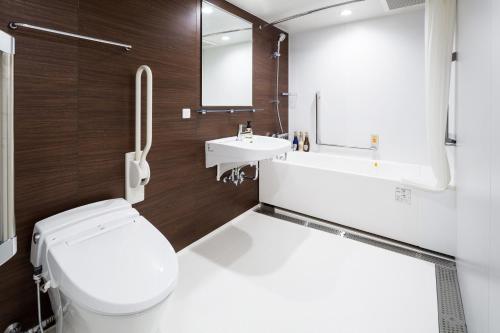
{"x":371,"y":75}
{"x":227,"y":75}
{"x":478,"y":162}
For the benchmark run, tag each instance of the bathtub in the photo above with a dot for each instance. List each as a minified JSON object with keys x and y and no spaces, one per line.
{"x":363,"y":194}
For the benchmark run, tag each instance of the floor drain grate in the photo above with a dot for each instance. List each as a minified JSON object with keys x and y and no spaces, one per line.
{"x":450,"y":309}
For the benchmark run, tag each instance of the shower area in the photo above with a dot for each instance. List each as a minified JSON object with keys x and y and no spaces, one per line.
{"x":389,"y":77}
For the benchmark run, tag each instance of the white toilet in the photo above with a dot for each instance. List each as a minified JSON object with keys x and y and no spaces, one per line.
{"x":109,"y":269}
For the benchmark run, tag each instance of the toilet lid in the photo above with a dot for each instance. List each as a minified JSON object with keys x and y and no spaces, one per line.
{"x":127,"y":269}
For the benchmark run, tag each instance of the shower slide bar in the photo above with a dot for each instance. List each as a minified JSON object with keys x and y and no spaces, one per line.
{"x":309,"y":12}
{"x":205,"y":111}
{"x":15,"y":25}
{"x":318,"y":140}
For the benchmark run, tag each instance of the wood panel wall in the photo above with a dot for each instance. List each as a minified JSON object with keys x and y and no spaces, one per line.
{"x":74,"y":121}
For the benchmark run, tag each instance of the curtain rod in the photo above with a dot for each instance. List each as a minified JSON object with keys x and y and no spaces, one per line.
{"x":308,"y":13}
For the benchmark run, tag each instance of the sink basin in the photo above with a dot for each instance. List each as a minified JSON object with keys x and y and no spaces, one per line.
{"x":231,"y":151}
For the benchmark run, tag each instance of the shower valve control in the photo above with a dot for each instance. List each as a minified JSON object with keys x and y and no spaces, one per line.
{"x":403,"y":195}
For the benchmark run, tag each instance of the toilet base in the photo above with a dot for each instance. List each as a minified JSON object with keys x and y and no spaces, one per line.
{"x":80,"y":320}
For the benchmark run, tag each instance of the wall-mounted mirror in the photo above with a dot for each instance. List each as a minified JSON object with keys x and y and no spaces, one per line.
{"x":8,"y":244}
{"x":226,"y":58}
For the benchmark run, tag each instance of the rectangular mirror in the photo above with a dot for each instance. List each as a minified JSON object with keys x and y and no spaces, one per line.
{"x":227,"y":60}
{"x":8,"y":244}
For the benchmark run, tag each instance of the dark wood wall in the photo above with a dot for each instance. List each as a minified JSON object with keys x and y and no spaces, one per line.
{"x":74,"y":112}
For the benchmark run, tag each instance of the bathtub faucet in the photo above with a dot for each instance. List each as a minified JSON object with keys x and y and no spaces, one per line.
{"x":280,"y":135}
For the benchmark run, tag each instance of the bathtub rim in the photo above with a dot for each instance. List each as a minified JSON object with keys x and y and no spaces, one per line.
{"x":450,"y":187}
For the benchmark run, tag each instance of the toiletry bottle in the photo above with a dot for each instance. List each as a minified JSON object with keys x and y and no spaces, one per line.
{"x":249,"y":132}
{"x":307,"y":146}
{"x":239,"y":137}
{"x":301,"y":141}
{"x":295,"y":143}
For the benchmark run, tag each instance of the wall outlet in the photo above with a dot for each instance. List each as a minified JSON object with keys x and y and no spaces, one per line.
{"x":186,"y":113}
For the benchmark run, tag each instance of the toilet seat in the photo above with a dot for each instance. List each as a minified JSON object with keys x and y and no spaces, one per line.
{"x":116,"y":263}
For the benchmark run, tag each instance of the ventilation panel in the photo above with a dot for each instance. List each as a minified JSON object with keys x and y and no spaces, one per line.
{"x":400,"y":4}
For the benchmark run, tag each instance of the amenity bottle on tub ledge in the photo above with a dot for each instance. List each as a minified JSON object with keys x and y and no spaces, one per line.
{"x":307,"y":146}
{"x":295,"y":143}
{"x":301,"y":141}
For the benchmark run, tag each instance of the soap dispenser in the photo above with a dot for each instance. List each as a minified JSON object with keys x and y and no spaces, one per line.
{"x":241,"y":133}
{"x":249,"y":132}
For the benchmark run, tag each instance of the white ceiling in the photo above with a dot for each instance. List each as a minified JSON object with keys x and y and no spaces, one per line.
{"x":271,"y":10}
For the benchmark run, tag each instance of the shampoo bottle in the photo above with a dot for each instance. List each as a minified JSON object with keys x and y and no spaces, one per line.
{"x":249,"y":132}
{"x":307,"y":146}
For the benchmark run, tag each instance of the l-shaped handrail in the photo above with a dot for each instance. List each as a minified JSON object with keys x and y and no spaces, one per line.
{"x":318,"y":140}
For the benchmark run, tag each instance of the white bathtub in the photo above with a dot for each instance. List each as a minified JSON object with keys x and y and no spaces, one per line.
{"x":362,"y":194}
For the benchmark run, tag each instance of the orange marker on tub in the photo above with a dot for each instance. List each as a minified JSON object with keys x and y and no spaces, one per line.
{"x":374,"y":141}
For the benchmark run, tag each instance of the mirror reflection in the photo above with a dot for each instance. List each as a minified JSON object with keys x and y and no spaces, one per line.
{"x":226,"y":58}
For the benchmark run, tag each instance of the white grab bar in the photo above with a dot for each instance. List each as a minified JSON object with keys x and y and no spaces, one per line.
{"x":318,"y":138}
{"x":137,"y":172}
{"x":141,"y":158}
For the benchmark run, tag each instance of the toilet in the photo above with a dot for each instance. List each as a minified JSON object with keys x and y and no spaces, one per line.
{"x":106,"y":268}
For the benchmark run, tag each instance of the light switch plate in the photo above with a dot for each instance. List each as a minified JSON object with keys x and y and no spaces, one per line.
{"x":186,"y":113}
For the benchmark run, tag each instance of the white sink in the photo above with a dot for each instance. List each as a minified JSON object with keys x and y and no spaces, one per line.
{"x":234,"y":152}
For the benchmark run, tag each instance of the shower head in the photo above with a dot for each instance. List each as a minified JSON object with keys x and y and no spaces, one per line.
{"x":277,"y":54}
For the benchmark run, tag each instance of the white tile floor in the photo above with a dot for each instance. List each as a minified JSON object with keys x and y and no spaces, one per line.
{"x":259,"y":274}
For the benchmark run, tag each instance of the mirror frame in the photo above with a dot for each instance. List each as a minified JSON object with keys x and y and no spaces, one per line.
{"x":227,"y":8}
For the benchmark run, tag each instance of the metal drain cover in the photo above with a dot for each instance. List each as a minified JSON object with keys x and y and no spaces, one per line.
{"x":451,"y":311}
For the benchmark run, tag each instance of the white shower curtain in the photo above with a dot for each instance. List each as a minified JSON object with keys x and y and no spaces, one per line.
{"x":440,"y":17}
